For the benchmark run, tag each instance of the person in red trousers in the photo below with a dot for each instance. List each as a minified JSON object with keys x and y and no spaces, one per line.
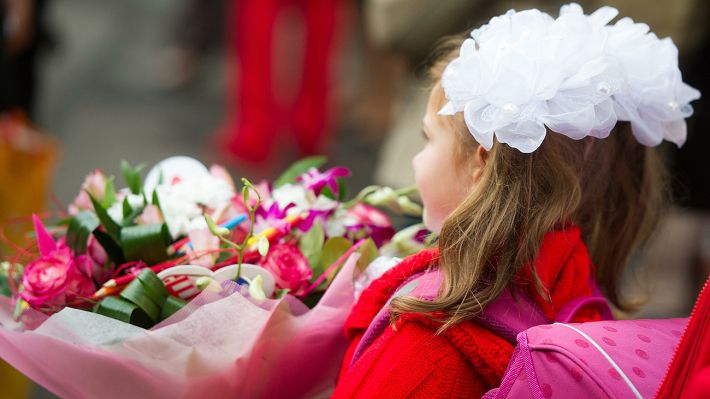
{"x":256,"y":114}
{"x":549,"y":211}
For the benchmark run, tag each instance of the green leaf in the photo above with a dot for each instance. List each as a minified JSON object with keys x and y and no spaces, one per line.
{"x":312,"y":299}
{"x":5,"y":286}
{"x":156,"y":200}
{"x":113,"y":250}
{"x":263,"y":246}
{"x":342,"y":190}
{"x":132,"y":214}
{"x":298,"y":168}
{"x":144,"y":302}
{"x":153,"y":285}
{"x":134,"y":182}
{"x":311,"y":244}
{"x":333,"y":249}
{"x":368,"y":253}
{"x":136,"y":293}
{"x":65,"y":221}
{"x":282,"y":293}
{"x":109,"y":193}
{"x":5,"y":289}
{"x":145,"y":242}
{"x":112,"y":228}
{"x":172,"y":305}
{"x":9,"y":272}
{"x":124,"y":310}
{"x":126,"y":208}
{"x":80,"y":227}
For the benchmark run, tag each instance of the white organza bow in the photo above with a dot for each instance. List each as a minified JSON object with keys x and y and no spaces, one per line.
{"x":576,"y":75}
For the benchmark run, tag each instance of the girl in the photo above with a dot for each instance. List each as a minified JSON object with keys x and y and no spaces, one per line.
{"x":551,"y":209}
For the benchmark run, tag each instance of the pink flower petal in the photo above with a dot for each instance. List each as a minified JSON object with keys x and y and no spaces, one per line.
{"x":46,"y":243}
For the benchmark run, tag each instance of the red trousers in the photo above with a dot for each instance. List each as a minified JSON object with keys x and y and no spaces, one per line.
{"x":255,"y":117}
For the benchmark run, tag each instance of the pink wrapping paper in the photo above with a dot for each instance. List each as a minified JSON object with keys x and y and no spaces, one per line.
{"x":218,"y":346}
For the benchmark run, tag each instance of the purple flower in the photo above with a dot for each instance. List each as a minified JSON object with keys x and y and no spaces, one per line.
{"x":274,"y":217}
{"x":315,"y":180}
{"x":370,"y":221}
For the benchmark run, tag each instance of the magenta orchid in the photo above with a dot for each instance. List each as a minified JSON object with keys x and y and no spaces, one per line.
{"x":315,"y":180}
{"x":274,"y":217}
{"x":372,"y":222}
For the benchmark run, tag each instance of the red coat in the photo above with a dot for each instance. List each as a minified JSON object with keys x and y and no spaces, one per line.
{"x":409,"y":360}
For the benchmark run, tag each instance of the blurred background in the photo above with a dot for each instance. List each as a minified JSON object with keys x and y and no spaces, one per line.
{"x":257,"y":84}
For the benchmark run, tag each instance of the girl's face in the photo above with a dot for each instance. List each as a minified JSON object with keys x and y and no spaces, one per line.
{"x":443,"y":180}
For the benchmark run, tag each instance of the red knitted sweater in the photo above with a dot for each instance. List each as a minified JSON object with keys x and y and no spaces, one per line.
{"x":409,"y":360}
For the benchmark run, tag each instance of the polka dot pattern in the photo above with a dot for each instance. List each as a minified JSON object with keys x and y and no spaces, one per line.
{"x":614,"y":374}
{"x":641,"y":350}
{"x":576,"y":373}
{"x":642,"y":354}
{"x":546,"y":390}
{"x":639,"y":372}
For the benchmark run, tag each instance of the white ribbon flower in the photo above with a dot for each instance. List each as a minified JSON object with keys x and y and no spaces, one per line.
{"x":524,"y":72}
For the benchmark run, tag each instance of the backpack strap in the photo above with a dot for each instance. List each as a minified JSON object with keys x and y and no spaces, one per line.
{"x":507,"y":316}
{"x":510,"y":315}
{"x":572,"y":308}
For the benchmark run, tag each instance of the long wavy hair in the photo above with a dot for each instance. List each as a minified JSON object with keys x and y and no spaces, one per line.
{"x":614,"y":189}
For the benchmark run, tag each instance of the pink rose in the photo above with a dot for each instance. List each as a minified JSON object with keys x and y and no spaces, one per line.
{"x":289,"y":267}
{"x":54,"y":280}
{"x":95,"y":184}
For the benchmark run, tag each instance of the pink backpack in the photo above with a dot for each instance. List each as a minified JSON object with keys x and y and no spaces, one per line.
{"x":615,"y":359}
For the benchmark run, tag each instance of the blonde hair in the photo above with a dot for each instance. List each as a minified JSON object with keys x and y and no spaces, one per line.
{"x":614,"y":189}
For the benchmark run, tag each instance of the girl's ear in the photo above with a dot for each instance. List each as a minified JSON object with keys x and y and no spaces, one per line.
{"x":480,"y":158}
{"x":481,"y":155}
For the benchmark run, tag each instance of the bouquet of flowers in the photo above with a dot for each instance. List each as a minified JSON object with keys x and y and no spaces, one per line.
{"x":185,"y":286}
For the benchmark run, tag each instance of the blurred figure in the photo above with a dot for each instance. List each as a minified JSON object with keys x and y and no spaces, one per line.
{"x":676,"y":261}
{"x":22,"y":25}
{"x":260,"y":49}
{"x":198,"y":28}
{"x":24,"y":35}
